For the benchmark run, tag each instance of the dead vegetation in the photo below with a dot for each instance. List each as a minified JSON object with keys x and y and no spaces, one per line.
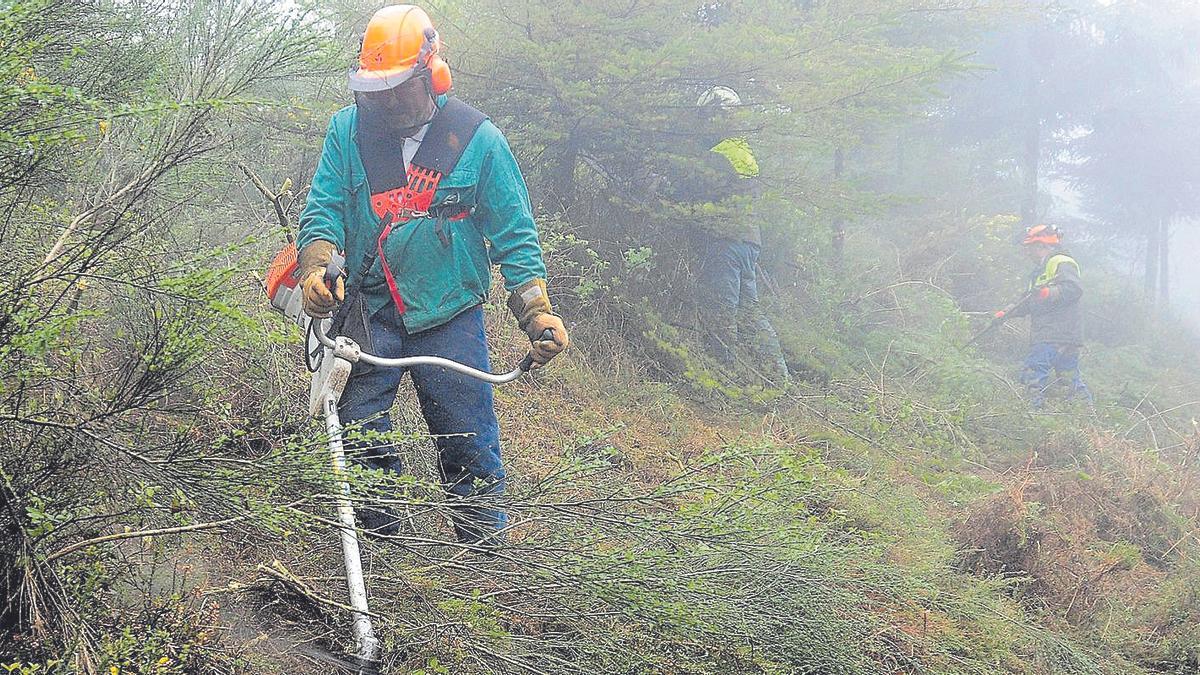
{"x":1092,"y":533}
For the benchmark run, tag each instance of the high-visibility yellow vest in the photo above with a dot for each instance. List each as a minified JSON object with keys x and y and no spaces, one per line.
{"x":1052,"y":265}
{"x":737,"y":151}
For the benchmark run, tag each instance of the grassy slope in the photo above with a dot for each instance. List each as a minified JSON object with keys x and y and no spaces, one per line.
{"x":898,"y":511}
{"x":864,"y":525}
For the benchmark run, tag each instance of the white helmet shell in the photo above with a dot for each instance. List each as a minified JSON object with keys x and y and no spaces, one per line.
{"x":721,"y":96}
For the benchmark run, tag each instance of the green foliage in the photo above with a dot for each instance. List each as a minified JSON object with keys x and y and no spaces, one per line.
{"x":109,"y":329}
{"x":19,"y":668}
{"x":636,"y":581}
{"x":605,"y":123}
{"x":697,"y":521}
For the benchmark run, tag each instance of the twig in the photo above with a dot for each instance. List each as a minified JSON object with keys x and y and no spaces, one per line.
{"x":144,"y":533}
{"x":141,"y":179}
{"x":1171,"y":550}
{"x":281,"y":573}
{"x":276,"y":199}
{"x":1146,"y":420}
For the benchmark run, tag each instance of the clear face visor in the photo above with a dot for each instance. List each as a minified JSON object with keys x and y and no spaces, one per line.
{"x":369,"y":81}
{"x":404,"y":108}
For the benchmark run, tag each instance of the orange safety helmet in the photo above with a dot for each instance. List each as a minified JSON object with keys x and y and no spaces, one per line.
{"x":400,"y":43}
{"x":1042,"y":234}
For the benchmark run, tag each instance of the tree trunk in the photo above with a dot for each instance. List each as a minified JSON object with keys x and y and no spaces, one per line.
{"x":1164,"y":264}
{"x":1153,"y":248}
{"x":561,"y":195}
{"x":839,"y":223}
{"x":1031,"y":155}
{"x":1031,"y":164}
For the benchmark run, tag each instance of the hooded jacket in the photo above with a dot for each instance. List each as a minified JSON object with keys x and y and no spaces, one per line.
{"x":719,"y":186}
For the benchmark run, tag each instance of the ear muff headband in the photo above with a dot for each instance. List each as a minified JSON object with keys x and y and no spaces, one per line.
{"x":432,"y":66}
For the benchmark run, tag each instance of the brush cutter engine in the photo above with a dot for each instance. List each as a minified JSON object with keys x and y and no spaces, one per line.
{"x":283,"y":286}
{"x":286,"y":294}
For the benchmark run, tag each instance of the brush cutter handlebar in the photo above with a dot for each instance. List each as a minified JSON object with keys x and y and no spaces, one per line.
{"x":527,"y":362}
{"x":349,"y":350}
{"x":335,"y":269}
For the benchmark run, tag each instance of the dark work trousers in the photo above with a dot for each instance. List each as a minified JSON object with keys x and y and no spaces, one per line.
{"x":1046,"y":359}
{"x":729,"y":307}
{"x":458,"y":410}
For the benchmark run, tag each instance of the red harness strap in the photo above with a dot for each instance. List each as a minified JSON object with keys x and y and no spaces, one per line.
{"x":408,"y":202}
{"x":387,"y":269}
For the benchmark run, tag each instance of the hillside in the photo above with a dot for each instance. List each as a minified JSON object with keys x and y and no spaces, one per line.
{"x":167,"y":502}
{"x":852,"y":526}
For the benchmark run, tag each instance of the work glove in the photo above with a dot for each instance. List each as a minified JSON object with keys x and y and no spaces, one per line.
{"x":544,"y":350}
{"x":1044,"y":293}
{"x":1000,"y":314}
{"x":319,"y":299}
{"x":531,"y":305}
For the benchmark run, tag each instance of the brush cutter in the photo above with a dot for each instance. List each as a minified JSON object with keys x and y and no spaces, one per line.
{"x":330,"y":360}
{"x":999,"y":319}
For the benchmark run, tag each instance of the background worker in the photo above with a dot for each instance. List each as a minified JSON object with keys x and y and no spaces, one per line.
{"x":1055,"y":316}
{"x":729,"y":305}
{"x":423,"y":194}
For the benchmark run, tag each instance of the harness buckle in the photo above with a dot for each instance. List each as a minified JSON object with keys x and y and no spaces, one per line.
{"x":409,"y":214}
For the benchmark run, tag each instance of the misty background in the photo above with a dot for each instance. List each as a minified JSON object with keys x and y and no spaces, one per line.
{"x":1114,"y":89}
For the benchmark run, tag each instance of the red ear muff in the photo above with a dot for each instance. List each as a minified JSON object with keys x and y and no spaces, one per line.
{"x":439,"y":75}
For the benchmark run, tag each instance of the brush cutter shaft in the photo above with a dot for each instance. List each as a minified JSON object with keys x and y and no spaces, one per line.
{"x":364,"y":634}
{"x":348,"y":350}
{"x":1002,"y":317}
{"x":328,"y":383}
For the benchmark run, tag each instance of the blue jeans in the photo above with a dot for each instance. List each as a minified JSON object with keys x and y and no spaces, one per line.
{"x":1045,"y":359}
{"x":458,"y":410}
{"x":729,"y":304}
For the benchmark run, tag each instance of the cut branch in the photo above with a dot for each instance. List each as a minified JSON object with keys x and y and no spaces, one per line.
{"x":275,"y":198}
{"x":144,"y":533}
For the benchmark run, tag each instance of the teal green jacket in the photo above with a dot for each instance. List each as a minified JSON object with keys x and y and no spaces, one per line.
{"x":436,"y":281}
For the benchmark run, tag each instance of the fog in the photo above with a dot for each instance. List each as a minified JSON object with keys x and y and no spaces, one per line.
{"x":1185,"y":284}
{"x":1114,"y":91}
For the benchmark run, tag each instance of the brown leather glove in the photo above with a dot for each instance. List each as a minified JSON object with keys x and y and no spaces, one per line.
{"x":319,"y":300}
{"x":544,"y":350}
{"x":531,"y":305}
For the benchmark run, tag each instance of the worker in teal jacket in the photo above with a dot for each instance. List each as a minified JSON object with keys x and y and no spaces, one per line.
{"x":423,"y":194}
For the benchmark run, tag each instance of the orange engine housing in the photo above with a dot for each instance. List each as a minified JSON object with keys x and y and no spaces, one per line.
{"x":283,"y":283}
